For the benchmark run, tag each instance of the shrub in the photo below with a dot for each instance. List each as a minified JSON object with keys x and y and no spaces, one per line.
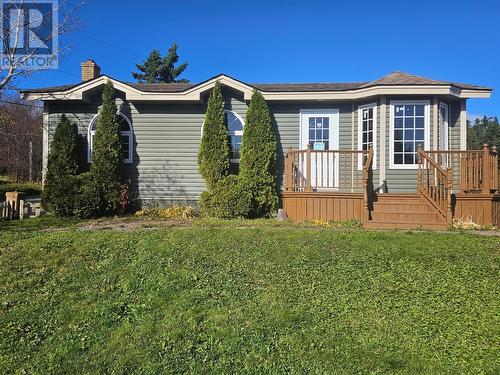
{"x":214,"y":158}
{"x":62,"y":165}
{"x":258,"y":169}
{"x":229,"y":199}
{"x":88,"y":200}
{"x":173,"y":212}
{"x":107,"y":157}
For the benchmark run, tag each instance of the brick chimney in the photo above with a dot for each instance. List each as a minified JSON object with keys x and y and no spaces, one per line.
{"x":90,"y":70}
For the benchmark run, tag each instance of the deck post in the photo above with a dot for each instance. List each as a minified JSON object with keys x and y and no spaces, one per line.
{"x":419,"y":155}
{"x":288,"y":170}
{"x":308,"y":169}
{"x":495,"y":169}
{"x":449,"y":186}
{"x":485,"y":175}
{"x":366,"y":176}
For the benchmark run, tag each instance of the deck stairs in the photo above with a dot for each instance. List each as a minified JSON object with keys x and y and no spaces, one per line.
{"x":404,"y":211}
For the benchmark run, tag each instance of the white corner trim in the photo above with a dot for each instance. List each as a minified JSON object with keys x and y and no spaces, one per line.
{"x":391,"y":131}
{"x":383,"y":143}
{"x":360,"y":132}
{"x":463,"y":124}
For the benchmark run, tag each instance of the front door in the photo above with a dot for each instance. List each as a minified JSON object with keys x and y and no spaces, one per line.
{"x":320,"y":130}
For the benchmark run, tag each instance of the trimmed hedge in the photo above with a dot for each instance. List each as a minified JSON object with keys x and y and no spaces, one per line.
{"x":258,"y":167}
{"x":214,"y":156}
{"x":59,"y":191}
{"x":229,"y":199}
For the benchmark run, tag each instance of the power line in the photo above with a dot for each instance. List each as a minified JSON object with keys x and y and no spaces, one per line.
{"x":20,"y":104}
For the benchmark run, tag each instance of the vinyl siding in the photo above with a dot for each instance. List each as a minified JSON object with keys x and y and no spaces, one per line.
{"x":167,"y":138}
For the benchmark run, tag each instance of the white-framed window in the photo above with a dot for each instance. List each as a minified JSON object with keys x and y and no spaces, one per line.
{"x":367,"y":131}
{"x":235,"y":126}
{"x":126,"y":137}
{"x":409,"y":127}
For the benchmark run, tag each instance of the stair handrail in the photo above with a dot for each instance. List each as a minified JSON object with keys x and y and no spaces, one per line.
{"x":367,"y":167}
{"x":435,"y":184}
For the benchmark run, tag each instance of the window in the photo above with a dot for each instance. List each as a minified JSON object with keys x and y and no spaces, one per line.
{"x":319,"y":133}
{"x":409,"y":128}
{"x":367,"y":131}
{"x":235,"y":132}
{"x":126,"y":137}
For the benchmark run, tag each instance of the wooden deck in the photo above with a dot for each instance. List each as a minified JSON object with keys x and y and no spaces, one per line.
{"x":337,"y":185}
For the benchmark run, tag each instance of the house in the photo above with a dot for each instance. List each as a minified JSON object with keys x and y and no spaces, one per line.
{"x":347,"y":150}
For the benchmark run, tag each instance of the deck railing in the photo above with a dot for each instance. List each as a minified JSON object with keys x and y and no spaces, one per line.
{"x":473,"y":171}
{"x":325,"y":170}
{"x":434,"y":183}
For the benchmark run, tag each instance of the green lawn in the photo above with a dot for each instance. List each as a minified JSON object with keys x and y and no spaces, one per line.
{"x":254,"y":300}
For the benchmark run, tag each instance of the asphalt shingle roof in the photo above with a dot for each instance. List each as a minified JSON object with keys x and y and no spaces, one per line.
{"x":392,"y":79}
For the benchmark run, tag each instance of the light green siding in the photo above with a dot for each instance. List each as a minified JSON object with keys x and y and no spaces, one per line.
{"x":167,"y":137}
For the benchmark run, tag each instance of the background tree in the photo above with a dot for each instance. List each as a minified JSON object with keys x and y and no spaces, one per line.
{"x":258,"y":169}
{"x":106,"y":154}
{"x":485,"y":130}
{"x":150,"y":69}
{"x":156,"y":69}
{"x":62,"y":167}
{"x":20,"y":140}
{"x":214,"y":158}
{"x":169,"y":72}
{"x":16,"y":66}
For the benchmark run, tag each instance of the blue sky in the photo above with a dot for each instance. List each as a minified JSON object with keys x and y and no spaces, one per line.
{"x":292,"y":41}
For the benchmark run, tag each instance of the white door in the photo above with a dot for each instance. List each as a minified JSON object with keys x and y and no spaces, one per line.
{"x":320,"y":130}
{"x":442,"y":133}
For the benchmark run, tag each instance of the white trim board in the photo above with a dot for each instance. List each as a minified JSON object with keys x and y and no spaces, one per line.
{"x":80,"y":92}
{"x":427,"y":131}
{"x":360,"y":133}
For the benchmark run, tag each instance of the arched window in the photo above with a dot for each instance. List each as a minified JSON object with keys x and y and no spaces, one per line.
{"x":235,"y":132}
{"x":126,"y":137}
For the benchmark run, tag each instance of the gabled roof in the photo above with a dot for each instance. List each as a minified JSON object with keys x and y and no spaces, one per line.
{"x":396,"y":83}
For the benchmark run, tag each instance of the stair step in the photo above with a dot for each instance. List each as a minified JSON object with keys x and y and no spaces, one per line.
{"x":416,"y":217}
{"x":402,"y":207}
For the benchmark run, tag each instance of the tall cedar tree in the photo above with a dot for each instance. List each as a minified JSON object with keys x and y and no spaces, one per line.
{"x":157,"y":69}
{"x":62,"y":166}
{"x":258,"y":167}
{"x":214,"y":159}
{"x":150,"y":69}
{"x":107,"y":156}
{"x":169,"y":72}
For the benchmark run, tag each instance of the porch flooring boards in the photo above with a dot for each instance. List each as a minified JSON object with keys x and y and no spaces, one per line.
{"x":404,"y":211}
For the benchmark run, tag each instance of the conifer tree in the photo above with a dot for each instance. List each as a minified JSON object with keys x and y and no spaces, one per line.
{"x":62,"y":166}
{"x":150,"y":69}
{"x":258,"y":165}
{"x":214,"y":154}
{"x":106,"y":156}
{"x":169,"y":72}
{"x":156,"y":69}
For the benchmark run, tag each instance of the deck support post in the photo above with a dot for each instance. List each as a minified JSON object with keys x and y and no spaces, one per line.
{"x":485,"y":175}
{"x":449,"y":186}
{"x":419,"y":156}
{"x":308,"y":169}
{"x":495,"y":169}
{"x":288,"y":170}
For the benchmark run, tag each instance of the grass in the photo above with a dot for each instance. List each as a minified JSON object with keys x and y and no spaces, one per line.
{"x":208,"y":299}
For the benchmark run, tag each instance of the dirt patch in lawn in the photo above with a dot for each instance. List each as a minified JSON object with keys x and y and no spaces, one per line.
{"x":127,"y":223}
